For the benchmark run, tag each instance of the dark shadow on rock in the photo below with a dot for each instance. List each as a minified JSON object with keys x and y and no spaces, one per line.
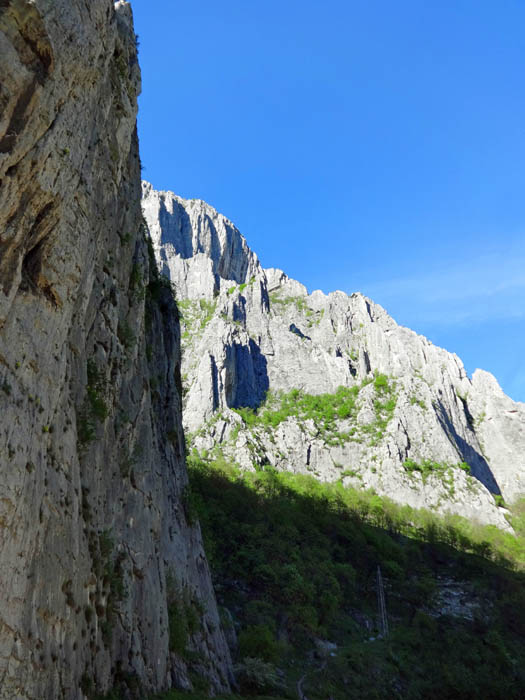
{"x":215,"y":382}
{"x":176,"y":229}
{"x":248,"y":381}
{"x":479,"y":465}
{"x":239,"y":310}
{"x":294,"y":329}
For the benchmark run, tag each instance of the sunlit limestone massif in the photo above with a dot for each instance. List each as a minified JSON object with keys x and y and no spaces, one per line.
{"x":327,"y":385}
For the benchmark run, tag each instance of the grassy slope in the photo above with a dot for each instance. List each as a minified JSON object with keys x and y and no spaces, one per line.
{"x":294,"y":560}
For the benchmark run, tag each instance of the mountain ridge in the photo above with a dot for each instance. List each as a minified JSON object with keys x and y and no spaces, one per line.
{"x":248,"y":332}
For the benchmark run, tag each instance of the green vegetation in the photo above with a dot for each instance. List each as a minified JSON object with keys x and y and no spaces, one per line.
{"x":208,"y":309}
{"x":327,"y":410}
{"x":184,"y":616}
{"x":125,"y":334}
{"x":183,"y":695}
{"x":313,"y":318}
{"x":299,"y":303}
{"x":159,"y":284}
{"x":384,"y":406}
{"x":414,"y":401}
{"x":159,"y":293}
{"x":241,"y":287}
{"x":428,"y":467}
{"x":323,"y":409}
{"x":108,"y":569}
{"x":94,"y":407}
{"x":96,"y":388}
{"x":294,"y":559}
{"x":125,"y":238}
{"x":136,"y":284}
{"x":195,"y":316}
{"x":479,"y":420}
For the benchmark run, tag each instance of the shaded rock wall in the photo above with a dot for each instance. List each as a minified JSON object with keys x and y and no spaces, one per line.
{"x":95,"y":543}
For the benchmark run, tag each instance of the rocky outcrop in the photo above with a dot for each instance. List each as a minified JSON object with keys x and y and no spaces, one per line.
{"x":419,"y":429}
{"x":195,"y":245}
{"x":101,"y":567}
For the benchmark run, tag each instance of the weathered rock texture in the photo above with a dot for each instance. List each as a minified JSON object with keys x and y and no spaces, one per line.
{"x":95,"y":544}
{"x":247,"y":330}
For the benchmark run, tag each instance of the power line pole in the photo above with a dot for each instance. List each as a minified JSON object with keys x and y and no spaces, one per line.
{"x":383,"y":620}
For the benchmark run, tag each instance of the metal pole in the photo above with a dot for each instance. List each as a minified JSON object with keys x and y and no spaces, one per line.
{"x":383,"y":620}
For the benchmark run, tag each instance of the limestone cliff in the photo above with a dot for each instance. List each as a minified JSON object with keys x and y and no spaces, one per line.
{"x":413,"y":426}
{"x":103,"y":579}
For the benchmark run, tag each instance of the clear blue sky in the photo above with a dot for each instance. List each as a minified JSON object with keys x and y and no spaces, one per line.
{"x":372,"y":146}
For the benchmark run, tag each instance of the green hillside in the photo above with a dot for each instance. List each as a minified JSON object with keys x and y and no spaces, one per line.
{"x":295,"y":561}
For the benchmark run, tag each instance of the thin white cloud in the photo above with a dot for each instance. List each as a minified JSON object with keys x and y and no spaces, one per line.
{"x":471,"y":290}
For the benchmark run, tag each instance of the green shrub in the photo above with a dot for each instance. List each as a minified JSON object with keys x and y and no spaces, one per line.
{"x":184,"y":617}
{"x":259,"y":641}
{"x":125,"y":334}
{"x":499,"y":500}
{"x":159,"y":285}
{"x":94,"y":409}
{"x":96,"y":388}
{"x":381,"y":383}
{"x":208,"y":309}
{"x":256,"y":676}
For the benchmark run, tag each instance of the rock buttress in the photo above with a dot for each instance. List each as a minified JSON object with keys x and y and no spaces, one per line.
{"x":98,"y":557}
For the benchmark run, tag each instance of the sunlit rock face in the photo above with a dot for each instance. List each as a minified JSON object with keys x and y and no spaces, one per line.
{"x":95,"y":544}
{"x":247,"y":330}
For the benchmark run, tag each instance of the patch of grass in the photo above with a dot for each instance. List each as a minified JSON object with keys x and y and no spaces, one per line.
{"x":299,"y":303}
{"x":414,"y":401}
{"x":195,"y":316}
{"x":327,"y":411}
{"x":499,"y":500}
{"x":207,"y":310}
{"x":428,"y":467}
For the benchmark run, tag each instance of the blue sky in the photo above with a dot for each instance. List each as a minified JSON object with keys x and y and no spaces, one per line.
{"x":371,"y":146}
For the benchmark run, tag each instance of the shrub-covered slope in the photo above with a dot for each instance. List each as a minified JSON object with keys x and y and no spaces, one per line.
{"x":295,"y":565}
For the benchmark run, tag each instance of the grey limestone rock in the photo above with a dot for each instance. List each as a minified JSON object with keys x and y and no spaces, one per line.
{"x":95,"y":542}
{"x":195,"y":245}
{"x":255,"y":330}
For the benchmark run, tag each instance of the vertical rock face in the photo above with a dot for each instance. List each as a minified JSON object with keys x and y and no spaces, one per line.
{"x":98,"y":558}
{"x":409,"y":435}
{"x":195,"y":244}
